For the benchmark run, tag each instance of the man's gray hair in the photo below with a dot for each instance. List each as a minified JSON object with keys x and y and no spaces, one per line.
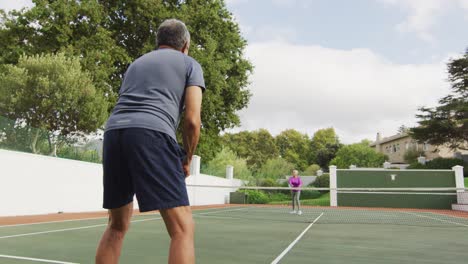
{"x":173,"y":33}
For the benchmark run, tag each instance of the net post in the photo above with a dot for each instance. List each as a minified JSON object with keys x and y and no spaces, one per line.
{"x":333,"y":192}
{"x":195,"y":166}
{"x":459,"y":181}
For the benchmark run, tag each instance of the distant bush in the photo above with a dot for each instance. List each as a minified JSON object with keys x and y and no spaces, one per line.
{"x":268,"y":182}
{"x":310,"y":194}
{"x":322,"y":182}
{"x":440,"y":164}
{"x":257,"y":197}
{"x":311,"y":170}
{"x":412,"y":155}
{"x":70,"y":152}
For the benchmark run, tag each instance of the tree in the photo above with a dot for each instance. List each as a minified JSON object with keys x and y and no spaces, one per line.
{"x":275,"y":169}
{"x":217,"y":166}
{"x":293,"y":146}
{"x":323,"y":147}
{"x":311,"y":170}
{"x":448,"y":122}
{"x":51,"y":93}
{"x":256,"y":146}
{"x":108,"y":34}
{"x":411,"y":155}
{"x":358,"y":154}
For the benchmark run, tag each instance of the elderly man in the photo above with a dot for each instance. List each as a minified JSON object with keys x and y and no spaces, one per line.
{"x":141,"y":154}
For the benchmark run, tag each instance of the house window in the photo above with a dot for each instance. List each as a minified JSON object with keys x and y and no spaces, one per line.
{"x":426,"y":147}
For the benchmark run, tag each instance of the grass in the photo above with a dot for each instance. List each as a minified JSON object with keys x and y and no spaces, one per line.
{"x":323,"y":200}
{"x":466,"y":182}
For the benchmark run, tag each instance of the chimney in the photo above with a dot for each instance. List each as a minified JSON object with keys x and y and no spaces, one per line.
{"x":379,"y":137}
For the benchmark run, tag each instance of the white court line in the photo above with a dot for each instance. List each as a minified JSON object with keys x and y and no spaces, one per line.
{"x":37,"y":260}
{"x":435,"y":218}
{"x":71,"y":229}
{"x":84,"y":219}
{"x":277,"y":259}
{"x":58,"y":221}
{"x":230,"y":210}
{"x":218,"y":217}
{"x":92,"y":226}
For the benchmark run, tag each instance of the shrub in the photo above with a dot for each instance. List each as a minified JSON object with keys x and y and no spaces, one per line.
{"x":267,"y":182}
{"x":411,"y":155}
{"x":440,"y":164}
{"x":311,"y":170}
{"x":322,"y":182}
{"x":256,"y":197}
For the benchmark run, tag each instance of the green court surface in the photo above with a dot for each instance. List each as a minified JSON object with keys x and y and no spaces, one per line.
{"x":258,"y":234}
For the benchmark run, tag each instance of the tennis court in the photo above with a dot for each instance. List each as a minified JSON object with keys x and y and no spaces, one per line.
{"x":259,"y":234}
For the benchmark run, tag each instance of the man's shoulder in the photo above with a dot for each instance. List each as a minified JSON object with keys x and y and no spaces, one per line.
{"x":190,"y":61}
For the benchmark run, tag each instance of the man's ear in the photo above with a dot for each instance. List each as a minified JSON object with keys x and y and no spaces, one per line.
{"x":185,"y":48}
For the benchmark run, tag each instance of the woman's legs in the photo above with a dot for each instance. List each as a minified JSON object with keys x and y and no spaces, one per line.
{"x":298,"y":202}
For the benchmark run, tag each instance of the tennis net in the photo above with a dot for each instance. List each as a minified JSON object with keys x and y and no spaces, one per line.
{"x":390,"y":206}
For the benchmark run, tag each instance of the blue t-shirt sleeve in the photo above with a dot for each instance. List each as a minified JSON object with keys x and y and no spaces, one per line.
{"x":195,"y":75}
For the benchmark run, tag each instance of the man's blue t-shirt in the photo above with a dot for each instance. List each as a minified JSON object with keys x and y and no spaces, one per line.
{"x":153,"y":91}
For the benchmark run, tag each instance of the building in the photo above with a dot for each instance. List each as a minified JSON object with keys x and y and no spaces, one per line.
{"x":396,"y":146}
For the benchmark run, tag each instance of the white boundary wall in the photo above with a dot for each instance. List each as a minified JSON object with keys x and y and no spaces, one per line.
{"x":35,"y":184}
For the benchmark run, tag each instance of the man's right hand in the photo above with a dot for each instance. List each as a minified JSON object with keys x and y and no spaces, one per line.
{"x":186,"y":165}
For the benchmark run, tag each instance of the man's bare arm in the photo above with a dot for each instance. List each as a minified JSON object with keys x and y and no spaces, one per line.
{"x":192,"y":123}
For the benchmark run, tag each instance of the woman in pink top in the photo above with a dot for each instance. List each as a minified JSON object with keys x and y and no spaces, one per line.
{"x":295,"y":182}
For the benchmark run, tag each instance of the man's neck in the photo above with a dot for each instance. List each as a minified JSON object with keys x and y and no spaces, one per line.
{"x":166,"y":47}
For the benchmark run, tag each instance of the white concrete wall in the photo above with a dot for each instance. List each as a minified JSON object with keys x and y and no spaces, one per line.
{"x":210,"y":195}
{"x":35,"y":184}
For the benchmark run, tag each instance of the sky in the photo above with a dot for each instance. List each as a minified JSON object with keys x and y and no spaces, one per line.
{"x":360,"y":66}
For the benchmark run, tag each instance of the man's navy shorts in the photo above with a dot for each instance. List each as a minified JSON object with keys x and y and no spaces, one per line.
{"x":146,"y":163}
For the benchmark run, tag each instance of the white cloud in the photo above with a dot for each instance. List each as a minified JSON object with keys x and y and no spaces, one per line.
{"x":17,"y":4}
{"x":424,"y":14}
{"x":356,"y":91}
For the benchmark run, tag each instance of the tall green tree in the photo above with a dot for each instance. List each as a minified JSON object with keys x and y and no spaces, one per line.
{"x":275,"y":169}
{"x":323,"y":147}
{"x":359,"y":154}
{"x":51,"y":93}
{"x":217,"y":166}
{"x":448,"y":122}
{"x":294,"y":147}
{"x":109,"y":34}
{"x":256,"y":146}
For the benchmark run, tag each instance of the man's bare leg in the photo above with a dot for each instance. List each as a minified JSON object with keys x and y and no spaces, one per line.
{"x":110,"y":246}
{"x":180,"y":226}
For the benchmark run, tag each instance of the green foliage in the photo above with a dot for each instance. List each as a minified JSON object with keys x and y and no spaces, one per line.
{"x":448,"y":122}
{"x":322,"y":182}
{"x":275,"y":169}
{"x":309,"y":194}
{"x":217,"y":166}
{"x":358,"y":154}
{"x":294,"y":147}
{"x":323,"y":147}
{"x":70,"y":152}
{"x":257,"y":197}
{"x":439,"y":164}
{"x":109,"y":34}
{"x":322,"y":200}
{"x":268,"y":182}
{"x":411,"y":155}
{"x":256,"y":146}
{"x":52,"y":93}
{"x":311,"y":170}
